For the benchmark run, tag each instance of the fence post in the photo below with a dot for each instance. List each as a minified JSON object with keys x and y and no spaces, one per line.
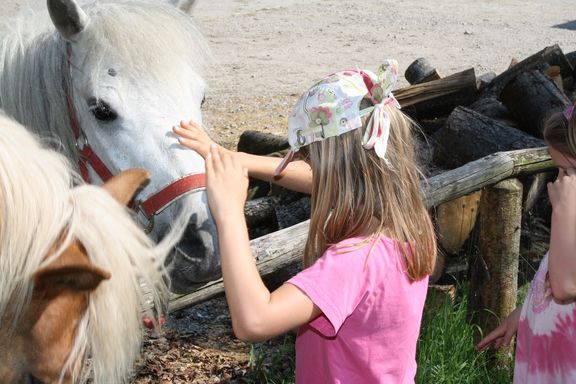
{"x":494,"y":268}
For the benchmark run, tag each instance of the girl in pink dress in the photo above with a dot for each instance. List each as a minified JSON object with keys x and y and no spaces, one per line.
{"x":546,"y":323}
{"x":371,"y":247}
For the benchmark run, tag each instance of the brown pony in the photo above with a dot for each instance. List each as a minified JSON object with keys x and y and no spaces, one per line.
{"x":73,"y":265}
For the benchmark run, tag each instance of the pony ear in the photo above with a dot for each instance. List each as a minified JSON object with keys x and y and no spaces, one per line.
{"x":71,"y":271}
{"x":124,"y":185}
{"x":185,"y":6}
{"x":68,"y":18}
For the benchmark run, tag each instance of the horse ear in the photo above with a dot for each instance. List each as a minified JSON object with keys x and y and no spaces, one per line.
{"x":185,"y":6}
{"x":71,"y":271}
{"x":68,"y":18}
{"x":124,"y":185}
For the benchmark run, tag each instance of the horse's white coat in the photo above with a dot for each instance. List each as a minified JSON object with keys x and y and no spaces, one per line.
{"x":144,"y":60}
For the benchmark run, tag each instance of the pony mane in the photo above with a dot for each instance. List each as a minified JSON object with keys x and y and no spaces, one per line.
{"x":34,"y":68}
{"x":38,"y":203}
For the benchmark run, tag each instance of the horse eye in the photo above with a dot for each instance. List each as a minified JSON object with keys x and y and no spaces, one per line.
{"x":102,"y":110}
{"x":203,"y":100}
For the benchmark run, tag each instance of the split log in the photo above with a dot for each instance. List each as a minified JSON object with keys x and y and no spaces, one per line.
{"x":552,"y":55}
{"x":531,"y":97}
{"x":468,"y":135}
{"x":571,"y":57}
{"x":553,"y":73}
{"x":455,"y":220}
{"x":282,"y":248}
{"x":484,"y":79}
{"x":260,"y":143}
{"x":260,"y":211}
{"x":421,"y":71}
{"x":494,"y":109}
{"x":439,"y":97}
{"x":493,"y":291}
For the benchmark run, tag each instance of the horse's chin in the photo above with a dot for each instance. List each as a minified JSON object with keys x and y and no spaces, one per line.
{"x":194,"y":261}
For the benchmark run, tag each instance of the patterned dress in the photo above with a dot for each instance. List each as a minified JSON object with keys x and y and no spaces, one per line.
{"x":546,"y":339}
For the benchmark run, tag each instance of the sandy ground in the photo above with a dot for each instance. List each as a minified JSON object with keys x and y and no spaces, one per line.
{"x":267,"y":52}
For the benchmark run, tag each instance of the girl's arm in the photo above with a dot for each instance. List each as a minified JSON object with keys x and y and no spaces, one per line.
{"x":256,"y":313}
{"x":297,"y":176}
{"x":562,"y":258}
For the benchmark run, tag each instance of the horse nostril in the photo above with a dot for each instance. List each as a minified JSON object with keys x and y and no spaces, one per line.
{"x":31,"y":379}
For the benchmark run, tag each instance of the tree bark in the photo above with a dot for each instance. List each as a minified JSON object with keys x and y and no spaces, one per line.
{"x":531,"y":97}
{"x":494,"y":270}
{"x":552,"y":55}
{"x":468,"y":136}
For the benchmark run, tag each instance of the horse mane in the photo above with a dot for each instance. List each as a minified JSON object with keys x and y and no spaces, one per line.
{"x":38,"y":203}
{"x":34,"y":66}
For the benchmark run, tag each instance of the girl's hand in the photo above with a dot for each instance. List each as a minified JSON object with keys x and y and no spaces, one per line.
{"x":501,"y":336}
{"x":226,"y":184}
{"x":562,"y":192}
{"x":191,"y":135}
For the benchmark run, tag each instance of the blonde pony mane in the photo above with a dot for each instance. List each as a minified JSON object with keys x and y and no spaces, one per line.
{"x":38,"y":202}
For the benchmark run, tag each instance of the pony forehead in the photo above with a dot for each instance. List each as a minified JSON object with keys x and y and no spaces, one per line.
{"x":154,"y":36}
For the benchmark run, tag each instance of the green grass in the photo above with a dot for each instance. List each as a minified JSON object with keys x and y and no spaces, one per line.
{"x":445,"y":353}
{"x":272,"y":363}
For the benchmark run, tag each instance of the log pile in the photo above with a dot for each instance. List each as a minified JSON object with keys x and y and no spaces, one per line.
{"x":464,"y":117}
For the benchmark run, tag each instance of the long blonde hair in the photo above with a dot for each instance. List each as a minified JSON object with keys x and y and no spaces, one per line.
{"x":356,"y":194}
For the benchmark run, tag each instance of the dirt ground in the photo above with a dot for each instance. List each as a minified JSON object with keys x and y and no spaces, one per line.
{"x":267,"y":52}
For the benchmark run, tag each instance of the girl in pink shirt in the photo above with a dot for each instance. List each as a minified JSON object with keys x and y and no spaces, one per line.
{"x":546,"y":323}
{"x":371,"y":247}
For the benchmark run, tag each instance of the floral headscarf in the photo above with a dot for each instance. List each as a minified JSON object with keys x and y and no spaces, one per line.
{"x":332,"y":107}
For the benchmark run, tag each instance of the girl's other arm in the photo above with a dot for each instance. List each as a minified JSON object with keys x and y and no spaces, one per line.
{"x":503,"y":334}
{"x":256,"y":313}
{"x":297,"y":176}
{"x":562,"y":258}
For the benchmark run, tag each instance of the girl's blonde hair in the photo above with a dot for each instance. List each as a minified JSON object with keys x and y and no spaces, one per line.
{"x":355,"y":193}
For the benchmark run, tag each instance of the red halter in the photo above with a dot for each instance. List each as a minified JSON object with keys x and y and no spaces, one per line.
{"x":87,"y":157}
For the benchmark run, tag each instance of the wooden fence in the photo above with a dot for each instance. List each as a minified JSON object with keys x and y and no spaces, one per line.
{"x":283,"y":248}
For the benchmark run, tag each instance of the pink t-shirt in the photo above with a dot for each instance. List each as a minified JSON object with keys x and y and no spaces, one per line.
{"x":370,"y":320}
{"x":546,"y":338}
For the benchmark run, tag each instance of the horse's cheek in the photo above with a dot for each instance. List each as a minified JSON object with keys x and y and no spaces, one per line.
{"x":53,"y":334}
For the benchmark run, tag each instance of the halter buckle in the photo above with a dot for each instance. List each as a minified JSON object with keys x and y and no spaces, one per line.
{"x":146,"y":221}
{"x":81,"y":142}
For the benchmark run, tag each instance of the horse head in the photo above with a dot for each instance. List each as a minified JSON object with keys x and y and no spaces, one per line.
{"x":134,"y":70}
{"x":44,"y":339}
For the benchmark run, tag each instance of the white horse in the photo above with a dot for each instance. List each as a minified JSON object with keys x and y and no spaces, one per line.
{"x":109,"y":80}
{"x":72,"y":266}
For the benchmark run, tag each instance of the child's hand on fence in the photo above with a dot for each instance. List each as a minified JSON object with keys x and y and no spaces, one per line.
{"x":226,"y":184}
{"x":502,"y":335}
{"x":562,"y":191}
{"x":191,"y":135}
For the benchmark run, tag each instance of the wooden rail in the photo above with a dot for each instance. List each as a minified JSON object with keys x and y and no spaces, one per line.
{"x":284,"y":247}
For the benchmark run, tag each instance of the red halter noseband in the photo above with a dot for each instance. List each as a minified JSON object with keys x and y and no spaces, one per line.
{"x":87,"y":157}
